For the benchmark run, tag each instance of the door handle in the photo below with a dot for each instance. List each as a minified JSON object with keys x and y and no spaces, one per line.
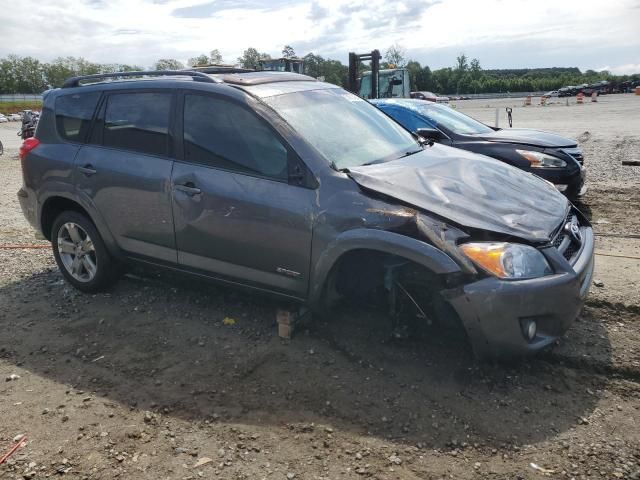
{"x":189,"y":188}
{"x":88,"y":170}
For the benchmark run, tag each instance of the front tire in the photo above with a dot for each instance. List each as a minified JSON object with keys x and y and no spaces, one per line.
{"x":81,"y":254}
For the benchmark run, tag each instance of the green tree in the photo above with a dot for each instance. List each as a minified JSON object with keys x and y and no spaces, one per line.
{"x":251,"y":58}
{"x":288,"y":52}
{"x":313,"y":65}
{"x":22,"y":75}
{"x":168,"y":64}
{"x":202,"y":59}
{"x":215,"y":56}
{"x":475,"y":68}
{"x":415,"y":74}
{"x":461,"y":63}
{"x":335,"y":72}
{"x":395,"y":55}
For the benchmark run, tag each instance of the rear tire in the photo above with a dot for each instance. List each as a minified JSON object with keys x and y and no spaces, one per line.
{"x":81,"y":254}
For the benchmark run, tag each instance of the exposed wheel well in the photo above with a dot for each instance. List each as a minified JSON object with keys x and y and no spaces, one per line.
{"x":52,"y":208}
{"x":371,"y":274}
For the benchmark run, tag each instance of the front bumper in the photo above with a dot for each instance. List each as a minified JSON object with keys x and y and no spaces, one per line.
{"x":570,"y":184}
{"x":491,"y":309}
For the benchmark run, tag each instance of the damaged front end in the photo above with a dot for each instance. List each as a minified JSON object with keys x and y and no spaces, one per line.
{"x":404,"y":285}
{"x":498,"y":316}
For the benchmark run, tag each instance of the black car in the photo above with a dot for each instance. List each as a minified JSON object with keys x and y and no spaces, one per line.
{"x":557,"y":159}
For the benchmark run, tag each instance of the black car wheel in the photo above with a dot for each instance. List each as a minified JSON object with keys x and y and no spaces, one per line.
{"x":81,"y":254}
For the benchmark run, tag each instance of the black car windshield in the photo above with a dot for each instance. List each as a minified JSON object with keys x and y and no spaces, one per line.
{"x":345,"y":129}
{"x":452,"y":120}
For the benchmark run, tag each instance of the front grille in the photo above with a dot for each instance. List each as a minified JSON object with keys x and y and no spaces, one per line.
{"x":566,"y":244}
{"x":558,"y":241}
{"x":570,"y":251}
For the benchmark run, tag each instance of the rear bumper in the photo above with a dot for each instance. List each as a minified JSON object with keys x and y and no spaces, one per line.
{"x":491,"y":309}
{"x":29,"y":206}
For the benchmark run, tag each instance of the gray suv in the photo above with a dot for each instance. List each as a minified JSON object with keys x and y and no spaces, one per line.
{"x":281,"y":183}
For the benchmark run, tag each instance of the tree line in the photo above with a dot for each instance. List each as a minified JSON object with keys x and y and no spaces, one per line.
{"x":30,"y":75}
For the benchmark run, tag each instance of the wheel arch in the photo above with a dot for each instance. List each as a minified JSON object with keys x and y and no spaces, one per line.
{"x":54,"y":205}
{"x":382,"y":242}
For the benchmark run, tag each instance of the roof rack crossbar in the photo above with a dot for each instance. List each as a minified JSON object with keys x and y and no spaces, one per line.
{"x":197,"y":76}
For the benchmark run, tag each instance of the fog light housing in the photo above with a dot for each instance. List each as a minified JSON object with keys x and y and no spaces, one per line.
{"x":560,"y":187}
{"x":529,"y":328}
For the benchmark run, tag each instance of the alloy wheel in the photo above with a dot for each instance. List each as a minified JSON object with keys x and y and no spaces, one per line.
{"x":77,"y":252}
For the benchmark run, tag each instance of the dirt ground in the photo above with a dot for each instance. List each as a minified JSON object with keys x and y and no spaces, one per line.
{"x":149,"y":381}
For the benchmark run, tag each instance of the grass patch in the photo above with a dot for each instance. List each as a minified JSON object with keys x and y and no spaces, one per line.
{"x":15,"y":107}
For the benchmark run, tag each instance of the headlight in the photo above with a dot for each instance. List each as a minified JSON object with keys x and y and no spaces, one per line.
{"x":507,"y":260}
{"x":542,"y":160}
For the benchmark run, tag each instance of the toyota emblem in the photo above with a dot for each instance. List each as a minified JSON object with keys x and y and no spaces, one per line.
{"x":574,"y":230}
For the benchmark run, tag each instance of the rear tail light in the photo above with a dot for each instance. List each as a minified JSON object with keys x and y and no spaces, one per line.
{"x":28,"y":145}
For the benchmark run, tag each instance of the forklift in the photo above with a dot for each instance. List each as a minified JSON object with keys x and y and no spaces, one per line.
{"x":376,"y":83}
{"x":292,"y":64}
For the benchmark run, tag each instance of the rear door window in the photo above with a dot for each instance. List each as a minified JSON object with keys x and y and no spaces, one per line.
{"x":223,"y":134}
{"x":138,"y":121}
{"x":74,"y":113}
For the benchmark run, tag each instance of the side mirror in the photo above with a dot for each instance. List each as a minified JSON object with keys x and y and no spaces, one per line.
{"x":396,"y":81}
{"x":431,"y":134}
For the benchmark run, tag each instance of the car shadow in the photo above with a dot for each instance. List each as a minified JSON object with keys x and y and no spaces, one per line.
{"x":200,"y":352}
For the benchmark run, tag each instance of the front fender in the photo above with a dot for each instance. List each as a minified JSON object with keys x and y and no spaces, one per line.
{"x":381,"y":240}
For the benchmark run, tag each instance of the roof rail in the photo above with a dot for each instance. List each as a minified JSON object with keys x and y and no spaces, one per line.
{"x":218,"y":69}
{"x":197,"y":76}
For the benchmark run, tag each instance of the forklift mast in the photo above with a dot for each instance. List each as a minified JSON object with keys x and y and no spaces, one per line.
{"x":354,"y":61}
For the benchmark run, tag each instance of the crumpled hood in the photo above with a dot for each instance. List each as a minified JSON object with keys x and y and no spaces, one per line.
{"x":471,"y":190}
{"x":527,"y":136}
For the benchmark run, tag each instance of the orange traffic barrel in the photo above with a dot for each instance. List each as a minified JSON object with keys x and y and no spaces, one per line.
{"x":543,"y":100}
{"x":594,"y":96}
{"x":527,"y":101}
{"x":638,"y":90}
{"x":580,"y":98}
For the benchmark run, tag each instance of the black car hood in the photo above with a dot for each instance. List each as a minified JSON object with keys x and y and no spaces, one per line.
{"x":471,"y":190}
{"x":527,"y":136}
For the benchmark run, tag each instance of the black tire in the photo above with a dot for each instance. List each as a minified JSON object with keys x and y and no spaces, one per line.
{"x":91,"y":269}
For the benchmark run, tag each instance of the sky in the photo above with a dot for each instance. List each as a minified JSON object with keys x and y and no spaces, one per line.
{"x":589,"y":34}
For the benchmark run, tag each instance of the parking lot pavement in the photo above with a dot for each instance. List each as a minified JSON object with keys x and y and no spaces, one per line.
{"x":148,"y":381}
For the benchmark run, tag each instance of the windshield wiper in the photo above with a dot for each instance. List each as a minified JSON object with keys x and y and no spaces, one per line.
{"x":380,"y":160}
{"x":337,"y":169}
{"x":410,"y":153}
{"x":385,"y":160}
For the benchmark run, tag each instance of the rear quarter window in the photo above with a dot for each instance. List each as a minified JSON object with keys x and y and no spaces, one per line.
{"x":74,"y":113}
{"x":138,"y":122}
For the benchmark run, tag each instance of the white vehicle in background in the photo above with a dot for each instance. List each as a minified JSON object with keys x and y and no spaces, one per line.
{"x":3,"y":119}
{"x":14,"y":117}
{"x":552,"y":93}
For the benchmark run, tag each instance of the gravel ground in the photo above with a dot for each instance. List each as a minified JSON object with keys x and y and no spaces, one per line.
{"x":149,"y":381}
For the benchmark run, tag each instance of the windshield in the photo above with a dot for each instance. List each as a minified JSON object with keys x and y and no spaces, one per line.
{"x":345,"y":129}
{"x":453,"y":121}
{"x":385,"y":88}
